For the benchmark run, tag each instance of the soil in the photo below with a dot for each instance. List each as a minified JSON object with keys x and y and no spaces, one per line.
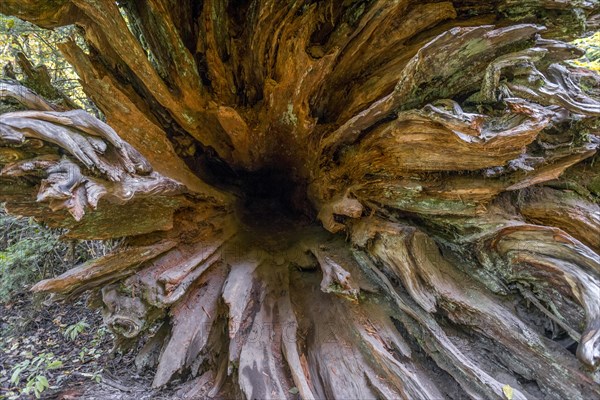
{"x":88,"y":369}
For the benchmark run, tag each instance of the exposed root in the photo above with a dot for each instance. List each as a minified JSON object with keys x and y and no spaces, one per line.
{"x":449,"y":143}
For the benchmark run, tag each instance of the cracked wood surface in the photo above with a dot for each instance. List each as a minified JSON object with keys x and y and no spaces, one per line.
{"x":441,"y":155}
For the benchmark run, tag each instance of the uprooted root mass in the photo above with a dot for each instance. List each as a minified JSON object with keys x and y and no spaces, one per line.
{"x":359,"y":199}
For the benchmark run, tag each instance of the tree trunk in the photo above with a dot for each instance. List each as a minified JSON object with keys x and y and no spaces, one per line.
{"x":325,"y":199}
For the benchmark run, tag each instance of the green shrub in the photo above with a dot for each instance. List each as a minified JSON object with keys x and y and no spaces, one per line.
{"x":30,"y":252}
{"x":74,"y":330}
{"x":35,"y":369}
{"x":26,"y":254}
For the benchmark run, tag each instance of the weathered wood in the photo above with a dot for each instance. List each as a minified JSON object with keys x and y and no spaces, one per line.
{"x":572,"y":213}
{"x":110,"y":267}
{"x":191,"y":325}
{"x":25,"y":96}
{"x":433,"y":283}
{"x":447,"y":140}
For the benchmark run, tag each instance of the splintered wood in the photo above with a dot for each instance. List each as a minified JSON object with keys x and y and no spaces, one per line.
{"x":335,"y":199}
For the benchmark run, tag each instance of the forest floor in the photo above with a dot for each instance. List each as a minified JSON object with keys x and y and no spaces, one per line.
{"x":65,"y":351}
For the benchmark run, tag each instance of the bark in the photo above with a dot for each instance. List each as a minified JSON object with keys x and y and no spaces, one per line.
{"x":361,"y":199}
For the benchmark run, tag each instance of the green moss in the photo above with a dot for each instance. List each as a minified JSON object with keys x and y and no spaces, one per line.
{"x":339,"y":290}
{"x":594,"y":186}
{"x":355,"y":13}
{"x":123,"y":289}
{"x":433,"y":204}
{"x":475,"y":47}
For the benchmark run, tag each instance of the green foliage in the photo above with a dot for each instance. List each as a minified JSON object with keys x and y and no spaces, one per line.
{"x":27,"y":251}
{"x":51,"y":351}
{"x":86,"y":353}
{"x":74,"y":330}
{"x":35,"y":369}
{"x":40,"y":47}
{"x":30,"y":252}
{"x":98,"y":336}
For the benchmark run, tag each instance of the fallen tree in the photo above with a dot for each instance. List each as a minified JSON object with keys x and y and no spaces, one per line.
{"x":360,"y":199}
